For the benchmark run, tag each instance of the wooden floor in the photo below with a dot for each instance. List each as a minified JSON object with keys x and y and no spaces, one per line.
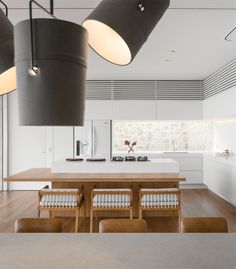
{"x":19,"y":204}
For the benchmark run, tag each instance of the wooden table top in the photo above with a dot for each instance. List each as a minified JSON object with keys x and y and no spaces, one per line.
{"x":118,"y":251}
{"x":44,"y":174}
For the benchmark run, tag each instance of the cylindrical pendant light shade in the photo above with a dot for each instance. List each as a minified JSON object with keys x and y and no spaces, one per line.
{"x":55,"y":96}
{"x":118,"y":29}
{"x":7,"y":68}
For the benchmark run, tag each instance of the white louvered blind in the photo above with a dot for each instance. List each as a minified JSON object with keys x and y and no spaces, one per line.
{"x":144,"y":90}
{"x":221,"y":80}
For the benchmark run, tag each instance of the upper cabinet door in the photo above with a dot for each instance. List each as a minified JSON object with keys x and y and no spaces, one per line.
{"x":179,"y":110}
{"x":134,"y":110}
{"x":220,"y":105}
{"x":98,"y":109}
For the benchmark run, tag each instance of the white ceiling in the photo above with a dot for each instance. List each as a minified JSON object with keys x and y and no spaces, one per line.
{"x":194,"y":29}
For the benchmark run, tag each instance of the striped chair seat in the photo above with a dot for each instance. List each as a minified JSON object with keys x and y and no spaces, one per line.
{"x":111,"y":198}
{"x":160,"y":198}
{"x":53,"y":198}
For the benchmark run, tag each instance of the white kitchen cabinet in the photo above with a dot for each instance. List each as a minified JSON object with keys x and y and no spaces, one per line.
{"x":143,"y":109}
{"x":233,"y":194}
{"x":192,"y":177}
{"x":134,"y":110}
{"x":220,"y":178}
{"x":179,"y":110}
{"x":62,"y":143}
{"x":208,"y":173}
{"x":48,"y":146}
{"x":190,"y":165}
{"x":98,"y":109}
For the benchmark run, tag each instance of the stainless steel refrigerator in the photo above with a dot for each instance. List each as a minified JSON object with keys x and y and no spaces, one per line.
{"x":93,"y":140}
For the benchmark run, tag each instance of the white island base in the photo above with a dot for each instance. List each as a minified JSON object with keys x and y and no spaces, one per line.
{"x":160,"y":165}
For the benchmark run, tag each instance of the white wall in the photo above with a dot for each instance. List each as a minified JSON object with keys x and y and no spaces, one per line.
{"x":28,"y":146}
{"x":222,"y":109}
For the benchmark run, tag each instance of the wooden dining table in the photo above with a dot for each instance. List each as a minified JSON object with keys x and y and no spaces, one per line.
{"x":99,"y":180}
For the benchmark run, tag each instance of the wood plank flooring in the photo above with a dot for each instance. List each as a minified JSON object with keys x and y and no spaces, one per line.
{"x":19,"y":204}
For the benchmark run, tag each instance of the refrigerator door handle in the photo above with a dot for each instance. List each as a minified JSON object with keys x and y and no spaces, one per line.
{"x":94,"y":140}
{"x":92,"y":148}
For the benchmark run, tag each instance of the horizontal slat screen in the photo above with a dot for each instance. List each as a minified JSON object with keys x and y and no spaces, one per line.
{"x":221,"y":80}
{"x":144,"y":90}
{"x":99,"y":90}
{"x":134,"y":90}
{"x":179,"y":90}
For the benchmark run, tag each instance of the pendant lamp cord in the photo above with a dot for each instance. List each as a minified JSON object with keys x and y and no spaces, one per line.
{"x":227,"y":37}
{"x":34,"y":69}
{"x":52,"y":6}
{"x":6,"y":12}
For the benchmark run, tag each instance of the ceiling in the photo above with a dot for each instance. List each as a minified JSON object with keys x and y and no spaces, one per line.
{"x":187,"y":44}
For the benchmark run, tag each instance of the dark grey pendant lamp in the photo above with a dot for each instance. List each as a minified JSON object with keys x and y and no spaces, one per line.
{"x":51,"y":65}
{"x":7,"y":67}
{"x":118,"y":28}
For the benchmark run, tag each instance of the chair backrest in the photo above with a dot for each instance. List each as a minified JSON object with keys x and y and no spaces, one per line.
{"x":33,"y":225}
{"x":204,"y":225}
{"x":122,"y":226}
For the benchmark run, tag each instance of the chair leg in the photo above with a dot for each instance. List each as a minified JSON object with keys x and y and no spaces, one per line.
{"x":179,"y":215}
{"x":50,"y":213}
{"x":91,"y":221}
{"x":131,"y":213}
{"x":84,"y":217}
{"x":38,"y":213}
{"x":77,"y":221}
{"x":140,"y":213}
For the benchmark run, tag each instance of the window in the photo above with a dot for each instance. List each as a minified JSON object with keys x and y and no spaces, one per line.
{"x":158,"y":136}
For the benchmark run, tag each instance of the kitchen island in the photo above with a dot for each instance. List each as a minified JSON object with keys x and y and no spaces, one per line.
{"x":158,"y":165}
{"x":91,"y":179}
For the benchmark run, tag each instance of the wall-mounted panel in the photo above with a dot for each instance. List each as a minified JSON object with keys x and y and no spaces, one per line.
{"x":134,"y":110}
{"x":179,"y":110}
{"x":98,"y":109}
{"x":221,"y":105}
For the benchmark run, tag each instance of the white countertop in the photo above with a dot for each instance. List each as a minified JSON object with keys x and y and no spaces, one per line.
{"x":161,"y":165}
{"x":228,"y":160}
{"x":158,"y":154}
{"x":118,"y":251}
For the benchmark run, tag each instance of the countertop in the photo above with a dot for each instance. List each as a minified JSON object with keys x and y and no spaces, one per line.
{"x":118,"y":251}
{"x":227,"y":160}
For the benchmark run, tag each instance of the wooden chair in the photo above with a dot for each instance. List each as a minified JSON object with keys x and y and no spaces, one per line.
{"x":161,"y":199}
{"x":123,"y":226}
{"x":61,"y":200}
{"x":204,"y":225}
{"x":34,"y":225}
{"x":111,"y":199}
